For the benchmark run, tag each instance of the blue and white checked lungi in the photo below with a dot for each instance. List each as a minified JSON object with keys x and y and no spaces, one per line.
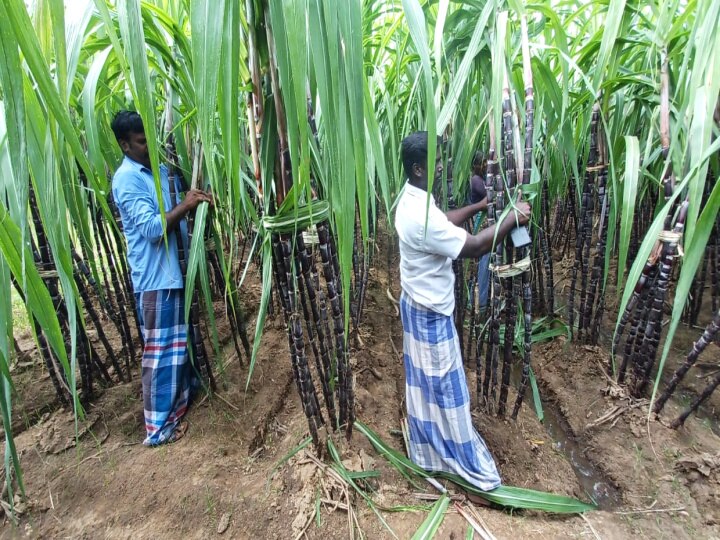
{"x":442,"y":437}
{"x":166,"y":369}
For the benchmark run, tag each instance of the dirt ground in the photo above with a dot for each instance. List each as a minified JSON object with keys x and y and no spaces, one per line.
{"x":229,"y":477}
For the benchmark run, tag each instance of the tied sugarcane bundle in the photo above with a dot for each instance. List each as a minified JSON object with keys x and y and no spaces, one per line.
{"x":306,"y":303}
{"x":644,"y":311}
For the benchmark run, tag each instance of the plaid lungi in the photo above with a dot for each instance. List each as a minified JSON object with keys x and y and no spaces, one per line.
{"x":166,"y":369}
{"x":442,"y":437}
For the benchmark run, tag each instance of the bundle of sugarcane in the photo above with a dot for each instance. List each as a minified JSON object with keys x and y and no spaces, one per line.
{"x":510,"y":265}
{"x":583,"y":235}
{"x":644,"y":311}
{"x":307,"y":301}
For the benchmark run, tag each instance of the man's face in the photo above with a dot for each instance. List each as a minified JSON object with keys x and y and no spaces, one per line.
{"x":135,"y":147}
{"x":421,"y":169}
{"x":438,"y":165}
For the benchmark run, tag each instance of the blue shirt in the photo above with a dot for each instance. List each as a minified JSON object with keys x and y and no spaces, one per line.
{"x":153,"y":265}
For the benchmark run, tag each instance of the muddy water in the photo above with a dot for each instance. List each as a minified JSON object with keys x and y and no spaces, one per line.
{"x":592,"y":480}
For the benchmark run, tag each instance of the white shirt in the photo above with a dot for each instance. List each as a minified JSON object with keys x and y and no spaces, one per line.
{"x":426,"y":273}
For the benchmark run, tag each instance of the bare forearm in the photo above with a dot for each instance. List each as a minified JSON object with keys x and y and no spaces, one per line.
{"x":481,"y":243}
{"x":461,"y":215}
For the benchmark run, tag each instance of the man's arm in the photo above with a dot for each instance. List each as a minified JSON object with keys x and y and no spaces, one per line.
{"x":139,"y":206}
{"x":481,"y":243}
{"x":461,"y":215}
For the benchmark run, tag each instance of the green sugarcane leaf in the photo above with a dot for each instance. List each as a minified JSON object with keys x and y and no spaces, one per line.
{"x":630,"y":188}
{"x":507,"y":496}
{"x":266,"y":255}
{"x":432,"y":522}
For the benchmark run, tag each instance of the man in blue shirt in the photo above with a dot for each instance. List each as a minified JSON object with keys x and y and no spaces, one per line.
{"x":157,"y":278}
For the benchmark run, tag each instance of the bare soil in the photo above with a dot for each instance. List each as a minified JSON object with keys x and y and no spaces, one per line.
{"x":225,"y":477}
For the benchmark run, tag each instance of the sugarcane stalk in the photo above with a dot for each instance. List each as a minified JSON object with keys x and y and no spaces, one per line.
{"x":511,"y":289}
{"x":707,"y":337}
{"x":254,"y":100}
{"x":525,"y":252}
{"x":90,"y":309}
{"x":649,"y":348}
{"x":695,"y":405}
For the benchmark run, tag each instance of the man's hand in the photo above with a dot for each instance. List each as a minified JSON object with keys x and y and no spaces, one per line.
{"x":192,"y":200}
{"x":522,"y":210}
{"x":194,"y":197}
{"x":481,"y":243}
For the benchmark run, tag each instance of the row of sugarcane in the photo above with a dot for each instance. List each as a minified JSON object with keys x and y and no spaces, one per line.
{"x":641,"y":322}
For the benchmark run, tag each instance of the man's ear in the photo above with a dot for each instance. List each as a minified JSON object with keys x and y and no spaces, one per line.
{"x":417,"y":169}
{"x":124,"y":145}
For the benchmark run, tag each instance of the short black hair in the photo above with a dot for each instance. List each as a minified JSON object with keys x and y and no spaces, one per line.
{"x":414,"y":149}
{"x":126,"y":122}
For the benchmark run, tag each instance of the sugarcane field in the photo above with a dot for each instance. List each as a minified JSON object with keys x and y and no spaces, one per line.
{"x":358,"y":269}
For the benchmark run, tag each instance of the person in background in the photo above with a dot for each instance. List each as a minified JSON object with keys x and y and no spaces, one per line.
{"x":152,"y":252}
{"x":479,"y":193}
{"x":441,"y":433}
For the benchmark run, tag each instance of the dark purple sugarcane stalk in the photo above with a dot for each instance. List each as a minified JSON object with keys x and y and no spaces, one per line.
{"x":648,"y":351}
{"x":490,"y":172}
{"x":707,"y":337}
{"x":346,"y":394}
{"x":593,"y":315}
{"x":525,"y":252}
{"x":695,"y":405}
{"x":512,"y":288}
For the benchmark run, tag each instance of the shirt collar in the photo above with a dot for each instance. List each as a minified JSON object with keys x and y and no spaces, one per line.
{"x":139,"y":166}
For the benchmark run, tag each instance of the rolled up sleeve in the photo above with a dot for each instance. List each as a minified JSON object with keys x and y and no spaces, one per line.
{"x":138,"y":204}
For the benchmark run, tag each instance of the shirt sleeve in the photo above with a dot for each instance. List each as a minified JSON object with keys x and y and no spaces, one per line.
{"x":138,"y":204}
{"x":443,"y":238}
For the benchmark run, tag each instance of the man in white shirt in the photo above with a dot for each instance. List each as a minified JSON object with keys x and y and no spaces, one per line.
{"x":442,"y":437}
